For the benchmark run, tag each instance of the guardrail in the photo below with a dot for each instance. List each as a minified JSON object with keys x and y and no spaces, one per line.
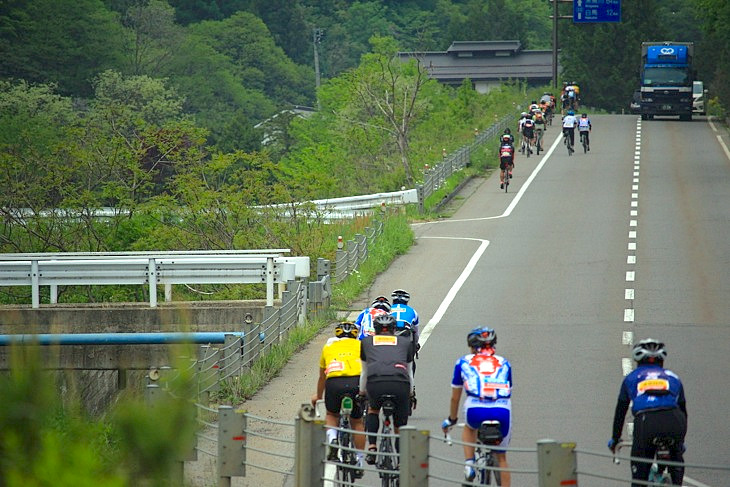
{"x":149,"y":268}
{"x":352,"y":254}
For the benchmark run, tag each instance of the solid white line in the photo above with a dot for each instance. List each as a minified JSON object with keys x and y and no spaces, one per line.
{"x":724,"y":147}
{"x":712,"y":125}
{"x":516,"y":199}
{"x":426,"y":332}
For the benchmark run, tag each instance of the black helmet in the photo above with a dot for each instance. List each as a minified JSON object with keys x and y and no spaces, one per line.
{"x":400,"y":296}
{"x":481,"y":337}
{"x":584,"y":115}
{"x":347,"y":329}
{"x":381,"y":302}
{"x":383,"y":323}
{"x":507,"y":131}
{"x":649,"y":350}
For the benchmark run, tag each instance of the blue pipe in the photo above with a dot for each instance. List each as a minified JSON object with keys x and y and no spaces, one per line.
{"x":117,"y":338}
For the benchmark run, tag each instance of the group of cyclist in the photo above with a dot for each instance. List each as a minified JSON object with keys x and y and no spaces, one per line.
{"x":369,"y":358}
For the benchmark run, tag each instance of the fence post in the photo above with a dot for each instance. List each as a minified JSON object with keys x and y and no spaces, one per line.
{"x":413,"y":457}
{"x":152,"y":281}
{"x":556,"y":464}
{"x":362,"y":248}
{"x":419,"y":194}
{"x":308,"y":448}
{"x":231,"y":355}
{"x":153,"y":395}
{"x":231,"y":450}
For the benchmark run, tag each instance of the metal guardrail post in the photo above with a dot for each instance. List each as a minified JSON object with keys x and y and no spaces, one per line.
{"x":413,"y":457}
{"x":419,"y":192}
{"x":309,"y":448}
{"x":270,"y":281}
{"x":152,"y":281}
{"x":231,"y":451}
{"x":35,"y":288}
{"x":556,"y":464}
{"x":231,"y":355}
{"x":351,"y":256}
{"x":340,"y":265}
{"x":362,"y":248}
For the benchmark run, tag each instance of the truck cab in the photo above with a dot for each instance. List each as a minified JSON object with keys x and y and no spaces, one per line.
{"x":666,"y":79}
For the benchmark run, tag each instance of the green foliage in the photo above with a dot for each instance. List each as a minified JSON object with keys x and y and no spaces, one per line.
{"x":66,"y":42}
{"x":46,"y":440}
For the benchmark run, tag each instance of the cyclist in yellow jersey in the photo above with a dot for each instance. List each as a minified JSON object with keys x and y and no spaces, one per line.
{"x":339,"y":375}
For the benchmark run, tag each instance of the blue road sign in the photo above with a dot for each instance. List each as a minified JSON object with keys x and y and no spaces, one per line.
{"x":596,"y":11}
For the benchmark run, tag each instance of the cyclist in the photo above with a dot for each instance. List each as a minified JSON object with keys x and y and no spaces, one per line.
{"x":569,"y":123}
{"x":659,"y":407}
{"x":540,"y":128}
{"x":386,"y":369}
{"x":507,"y":131}
{"x":528,"y":132}
{"x":487,"y":380}
{"x":520,"y":124}
{"x":584,"y":127}
{"x":339,"y":376}
{"x":506,"y":154}
{"x":364,"y":320}
{"x":406,"y":320}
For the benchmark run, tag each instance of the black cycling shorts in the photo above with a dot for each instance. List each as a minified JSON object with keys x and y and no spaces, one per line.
{"x":529,"y":133}
{"x":336,"y":388}
{"x":505,"y":162}
{"x":401,"y":391}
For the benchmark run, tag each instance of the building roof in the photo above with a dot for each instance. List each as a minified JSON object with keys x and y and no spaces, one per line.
{"x":485,"y":61}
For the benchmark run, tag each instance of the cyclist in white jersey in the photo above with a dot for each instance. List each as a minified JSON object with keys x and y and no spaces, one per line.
{"x":584,"y":127}
{"x":569,"y":123}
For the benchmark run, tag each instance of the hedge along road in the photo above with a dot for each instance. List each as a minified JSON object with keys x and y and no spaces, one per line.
{"x":547,"y":267}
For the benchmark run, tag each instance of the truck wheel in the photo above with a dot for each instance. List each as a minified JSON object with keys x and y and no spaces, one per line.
{"x":644,"y":116}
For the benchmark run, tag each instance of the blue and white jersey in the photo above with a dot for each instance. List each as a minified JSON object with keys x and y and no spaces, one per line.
{"x":405,"y":316}
{"x":483,"y":375}
{"x":365,"y":321}
{"x":569,"y":121}
{"x":584,"y":124}
{"x":652,"y":387}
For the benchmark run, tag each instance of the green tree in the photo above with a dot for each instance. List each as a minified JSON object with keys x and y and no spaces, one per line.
{"x":66,"y":42}
{"x":714,"y":16}
{"x":156,"y":36}
{"x":608,"y":77}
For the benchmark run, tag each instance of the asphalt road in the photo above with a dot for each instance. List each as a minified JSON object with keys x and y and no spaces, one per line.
{"x":584,"y":254}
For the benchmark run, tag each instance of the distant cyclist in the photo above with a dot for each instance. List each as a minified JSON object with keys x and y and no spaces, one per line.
{"x":364,"y":320}
{"x":507,"y":132}
{"x":584,"y":127}
{"x":659,"y":407}
{"x":339,"y":376}
{"x":569,"y":123}
{"x":528,"y":133}
{"x":487,"y":380}
{"x":540,"y":128}
{"x":386,"y":370}
{"x":506,"y":154}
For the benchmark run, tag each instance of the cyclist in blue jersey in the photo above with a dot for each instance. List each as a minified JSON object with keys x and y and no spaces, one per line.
{"x":405,"y":316}
{"x":487,"y":380}
{"x":364,"y":320}
{"x":659,"y":407}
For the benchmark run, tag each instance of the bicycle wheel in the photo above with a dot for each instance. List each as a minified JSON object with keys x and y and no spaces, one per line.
{"x":506,"y":178}
{"x":386,"y":463}
{"x":497,"y":474}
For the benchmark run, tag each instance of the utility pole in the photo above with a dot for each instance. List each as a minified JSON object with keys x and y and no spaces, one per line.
{"x":317,"y":36}
{"x":555,"y":16}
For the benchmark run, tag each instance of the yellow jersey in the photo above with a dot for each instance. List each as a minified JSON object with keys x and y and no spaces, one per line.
{"x":341,"y":357}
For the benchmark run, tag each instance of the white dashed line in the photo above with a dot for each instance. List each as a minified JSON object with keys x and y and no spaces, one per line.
{"x":628,"y":294}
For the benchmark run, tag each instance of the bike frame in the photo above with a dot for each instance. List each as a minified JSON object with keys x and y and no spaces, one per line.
{"x":387,"y":459}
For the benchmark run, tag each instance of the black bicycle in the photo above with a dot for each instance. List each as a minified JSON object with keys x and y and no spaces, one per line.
{"x":344,"y":456}
{"x":489,"y":434}
{"x":659,"y":472}
{"x":387,"y":462}
{"x":584,"y":140}
{"x":567,"y":142}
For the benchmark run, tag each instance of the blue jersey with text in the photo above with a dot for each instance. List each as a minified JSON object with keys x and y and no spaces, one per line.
{"x":483,"y":375}
{"x":652,"y":387}
{"x":405,"y":316}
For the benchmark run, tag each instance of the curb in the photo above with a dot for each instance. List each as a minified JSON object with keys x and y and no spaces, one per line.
{"x":446,"y":199}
